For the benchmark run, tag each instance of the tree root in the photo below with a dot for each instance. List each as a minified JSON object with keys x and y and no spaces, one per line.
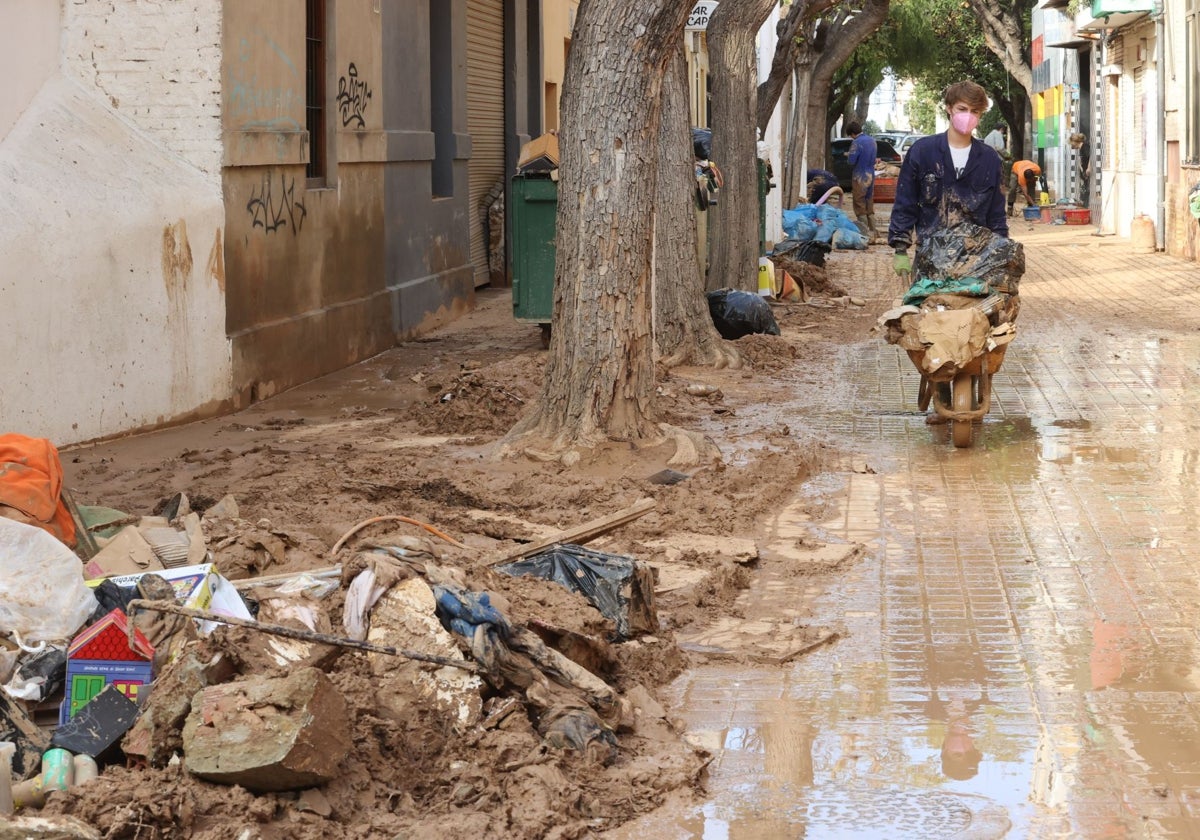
{"x":691,"y":448}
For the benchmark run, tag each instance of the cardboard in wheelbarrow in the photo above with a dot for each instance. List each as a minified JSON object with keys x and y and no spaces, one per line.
{"x":952,"y":338}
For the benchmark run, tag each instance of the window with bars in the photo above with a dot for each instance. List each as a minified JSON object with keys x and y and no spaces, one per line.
{"x":314,"y":100}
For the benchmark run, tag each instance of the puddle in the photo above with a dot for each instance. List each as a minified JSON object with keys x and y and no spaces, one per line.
{"x":1016,"y":651}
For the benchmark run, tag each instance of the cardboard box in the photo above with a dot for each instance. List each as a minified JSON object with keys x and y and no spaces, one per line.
{"x":126,"y":553}
{"x":540,"y":155}
{"x":198,"y":588}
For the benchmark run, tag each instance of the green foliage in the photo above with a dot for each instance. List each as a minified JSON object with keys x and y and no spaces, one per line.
{"x":922,"y":108}
{"x":871,"y":127}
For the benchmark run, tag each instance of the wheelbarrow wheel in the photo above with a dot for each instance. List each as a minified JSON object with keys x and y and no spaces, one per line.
{"x":924,"y":392}
{"x":963,"y":395}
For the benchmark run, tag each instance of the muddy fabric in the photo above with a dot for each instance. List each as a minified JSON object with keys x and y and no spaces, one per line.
{"x":31,"y":483}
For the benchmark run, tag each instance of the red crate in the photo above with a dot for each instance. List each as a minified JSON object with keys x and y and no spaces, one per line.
{"x":1078,"y":216}
{"x":885,"y":190}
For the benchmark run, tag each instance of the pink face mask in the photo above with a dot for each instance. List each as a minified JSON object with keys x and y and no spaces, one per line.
{"x":964,"y":122}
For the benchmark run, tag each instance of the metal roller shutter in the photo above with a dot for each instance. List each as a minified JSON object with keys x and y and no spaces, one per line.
{"x":485,"y":117}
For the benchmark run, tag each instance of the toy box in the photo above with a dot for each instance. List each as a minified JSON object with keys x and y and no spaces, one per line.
{"x":101,"y":656}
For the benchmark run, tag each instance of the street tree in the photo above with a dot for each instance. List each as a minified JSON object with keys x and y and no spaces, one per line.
{"x":683,"y":328}
{"x":600,"y":382}
{"x":733,"y":242}
{"x":843,"y":29}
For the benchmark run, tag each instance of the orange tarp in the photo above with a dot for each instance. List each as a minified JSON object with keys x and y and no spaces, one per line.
{"x":31,"y":480}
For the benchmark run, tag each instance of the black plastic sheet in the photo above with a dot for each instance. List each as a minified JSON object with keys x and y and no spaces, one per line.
{"x":736,"y":313}
{"x":612,"y":583}
{"x":968,"y":250}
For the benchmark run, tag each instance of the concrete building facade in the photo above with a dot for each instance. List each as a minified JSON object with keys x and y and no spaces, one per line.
{"x":208,"y":203}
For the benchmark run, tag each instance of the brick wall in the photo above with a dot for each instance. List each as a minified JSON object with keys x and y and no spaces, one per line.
{"x":158,"y":63}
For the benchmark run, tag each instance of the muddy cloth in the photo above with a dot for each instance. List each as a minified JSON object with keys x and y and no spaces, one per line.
{"x":967,"y":253}
{"x":612,"y":583}
{"x":736,"y":313}
{"x":31,"y":484}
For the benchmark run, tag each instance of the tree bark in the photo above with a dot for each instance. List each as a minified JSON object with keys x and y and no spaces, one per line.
{"x":683,"y":329}
{"x":1004,"y":33}
{"x":790,"y":32}
{"x":734,"y":251}
{"x":795,"y":175}
{"x":600,"y":381}
{"x":840,"y":39}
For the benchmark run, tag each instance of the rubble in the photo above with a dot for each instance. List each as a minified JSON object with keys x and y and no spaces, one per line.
{"x":268,"y":734}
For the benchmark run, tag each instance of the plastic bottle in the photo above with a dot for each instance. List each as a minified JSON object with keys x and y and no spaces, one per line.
{"x":57,"y":770}
{"x":85,"y":769}
{"x":766,"y":277}
{"x":29,"y":793}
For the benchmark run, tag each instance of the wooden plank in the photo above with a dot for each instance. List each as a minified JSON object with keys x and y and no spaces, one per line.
{"x":579,"y":534}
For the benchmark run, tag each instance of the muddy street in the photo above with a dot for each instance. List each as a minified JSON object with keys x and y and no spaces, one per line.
{"x":863,"y":631}
{"x":1017,"y":652}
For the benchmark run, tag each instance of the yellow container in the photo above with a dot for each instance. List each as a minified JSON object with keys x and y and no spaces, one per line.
{"x":766,"y":277}
{"x":1141,"y":235}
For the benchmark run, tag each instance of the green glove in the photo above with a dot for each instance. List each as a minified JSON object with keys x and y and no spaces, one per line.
{"x":901,"y":264}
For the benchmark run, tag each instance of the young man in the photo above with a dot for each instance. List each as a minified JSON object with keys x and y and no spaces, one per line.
{"x":1024,"y":181}
{"x":948,"y":178}
{"x":861,"y":157}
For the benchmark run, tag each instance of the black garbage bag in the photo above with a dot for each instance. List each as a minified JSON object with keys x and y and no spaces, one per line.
{"x":737,"y":313}
{"x":803,"y":250}
{"x":619,"y":587}
{"x":702,"y":143}
{"x":970,"y":251}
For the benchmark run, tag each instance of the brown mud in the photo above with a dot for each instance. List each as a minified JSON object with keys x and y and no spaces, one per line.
{"x":413,"y":432}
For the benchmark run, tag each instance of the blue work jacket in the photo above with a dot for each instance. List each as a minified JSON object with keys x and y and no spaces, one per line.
{"x":930,"y":196}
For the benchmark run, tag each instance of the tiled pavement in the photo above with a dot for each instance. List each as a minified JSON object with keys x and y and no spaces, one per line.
{"x":1020,"y":656}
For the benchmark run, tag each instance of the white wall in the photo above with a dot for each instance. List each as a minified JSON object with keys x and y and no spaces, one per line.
{"x":29,"y":32}
{"x":111,"y":250}
{"x":773,"y":136}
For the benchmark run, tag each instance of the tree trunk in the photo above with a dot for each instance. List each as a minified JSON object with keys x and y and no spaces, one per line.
{"x":1003,"y":26}
{"x":839,"y":42}
{"x":734,"y":250}
{"x":795,"y":183}
{"x":683,"y":329}
{"x":600,"y":380}
{"x":790,"y":32}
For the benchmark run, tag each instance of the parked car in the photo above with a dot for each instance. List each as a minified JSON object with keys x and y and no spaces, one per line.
{"x":839,"y":148}
{"x":905,"y":143}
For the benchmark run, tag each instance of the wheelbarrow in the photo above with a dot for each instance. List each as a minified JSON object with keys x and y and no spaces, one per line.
{"x":965,"y":396}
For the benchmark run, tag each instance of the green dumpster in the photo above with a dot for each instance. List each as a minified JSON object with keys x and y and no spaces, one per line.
{"x":534,"y":215}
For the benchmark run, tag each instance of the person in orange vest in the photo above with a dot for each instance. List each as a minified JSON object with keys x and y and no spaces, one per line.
{"x":1025,"y":174}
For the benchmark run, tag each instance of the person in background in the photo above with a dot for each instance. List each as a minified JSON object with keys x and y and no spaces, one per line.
{"x":996,"y":138}
{"x":1083,"y":155}
{"x":948,"y":178}
{"x":1025,"y":174}
{"x":861,"y":157}
{"x":821,"y":183}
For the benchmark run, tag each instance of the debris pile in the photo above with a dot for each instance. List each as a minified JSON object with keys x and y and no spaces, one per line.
{"x":152,"y":673}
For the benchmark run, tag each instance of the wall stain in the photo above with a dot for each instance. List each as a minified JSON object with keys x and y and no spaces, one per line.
{"x":216,"y":261}
{"x":176,"y":258}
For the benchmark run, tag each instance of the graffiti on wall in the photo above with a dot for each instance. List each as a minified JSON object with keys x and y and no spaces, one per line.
{"x":273,"y":205}
{"x":352,"y":98}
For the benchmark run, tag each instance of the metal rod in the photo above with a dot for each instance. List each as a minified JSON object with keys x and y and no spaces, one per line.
{"x":302,"y":635}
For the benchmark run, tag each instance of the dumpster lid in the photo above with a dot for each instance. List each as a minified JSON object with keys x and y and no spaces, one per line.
{"x":540,"y":155}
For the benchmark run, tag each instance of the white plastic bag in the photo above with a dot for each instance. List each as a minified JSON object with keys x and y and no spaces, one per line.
{"x":42,"y":593}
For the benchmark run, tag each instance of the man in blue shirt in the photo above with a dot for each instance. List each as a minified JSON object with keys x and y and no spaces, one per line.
{"x":861,"y":158}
